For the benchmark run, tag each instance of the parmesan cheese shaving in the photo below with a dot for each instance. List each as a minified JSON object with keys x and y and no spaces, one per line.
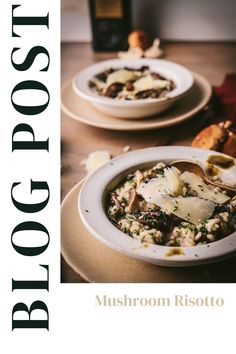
{"x":192,"y":209}
{"x":168,"y":183}
{"x":202,"y":189}
{"x":165,"y":191}
{"x":148,"y":83}
{"x":122,"y":76}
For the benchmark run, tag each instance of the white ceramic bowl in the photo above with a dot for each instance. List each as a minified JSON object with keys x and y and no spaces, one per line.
{"x":134,"y":108}
{"x":92,"y":199}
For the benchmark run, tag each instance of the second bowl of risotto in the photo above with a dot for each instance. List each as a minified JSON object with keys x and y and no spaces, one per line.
{"x":133,"y":88}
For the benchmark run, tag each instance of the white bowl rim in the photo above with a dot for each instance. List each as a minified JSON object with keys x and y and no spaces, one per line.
{"x":91,"y":199}
{"x":83,"y":90}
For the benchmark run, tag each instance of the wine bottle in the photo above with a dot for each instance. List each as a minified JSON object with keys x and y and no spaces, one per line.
{"x":111,"y":24}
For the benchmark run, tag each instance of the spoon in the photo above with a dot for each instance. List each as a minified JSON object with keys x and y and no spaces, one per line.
{"x":183,"y":165}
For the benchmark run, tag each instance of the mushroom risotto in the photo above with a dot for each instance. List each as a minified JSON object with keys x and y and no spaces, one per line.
{"x":163,"y":206}
{"x":130,"y":84}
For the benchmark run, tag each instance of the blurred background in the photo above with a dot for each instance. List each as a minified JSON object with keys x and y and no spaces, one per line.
{"x":172,"y":20}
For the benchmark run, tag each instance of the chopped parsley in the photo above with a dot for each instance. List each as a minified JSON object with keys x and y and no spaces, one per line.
{"x":176,"y":207}
{"x":188,"y":216}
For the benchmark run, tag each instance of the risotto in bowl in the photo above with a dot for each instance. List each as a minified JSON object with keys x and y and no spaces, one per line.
{"x":141,"y":205}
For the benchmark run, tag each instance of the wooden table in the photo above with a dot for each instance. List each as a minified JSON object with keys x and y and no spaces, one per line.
{"x":212,"y":60}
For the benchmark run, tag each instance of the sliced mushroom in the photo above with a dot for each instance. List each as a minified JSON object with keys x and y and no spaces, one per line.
{"x":138,"y":177}
{"x":129,"y":86}
{"x":143,"y":205}
{"x":113,"y":90}
{"x":115,"y":200}
{"x":133,"y":204}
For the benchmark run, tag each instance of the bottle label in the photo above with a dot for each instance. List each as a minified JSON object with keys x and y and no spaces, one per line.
{"x":107,"y":8}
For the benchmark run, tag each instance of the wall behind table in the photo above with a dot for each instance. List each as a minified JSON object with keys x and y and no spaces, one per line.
{"x":190,"y":20}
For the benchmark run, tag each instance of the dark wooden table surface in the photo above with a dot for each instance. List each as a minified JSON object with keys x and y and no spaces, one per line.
{"x":212,"y":60}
